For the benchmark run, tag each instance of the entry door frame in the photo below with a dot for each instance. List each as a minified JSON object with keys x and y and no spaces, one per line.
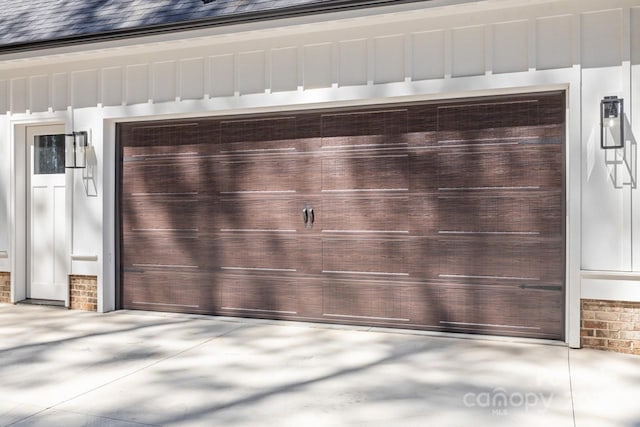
{"x":18,"y":207}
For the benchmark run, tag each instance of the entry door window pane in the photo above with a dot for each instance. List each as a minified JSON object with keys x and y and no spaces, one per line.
{"x":48,"y":155}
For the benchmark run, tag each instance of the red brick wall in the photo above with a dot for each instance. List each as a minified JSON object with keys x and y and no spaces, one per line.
{"x":83,"y":293}
{"x":5,"y":287}
{"x":610,"y":325}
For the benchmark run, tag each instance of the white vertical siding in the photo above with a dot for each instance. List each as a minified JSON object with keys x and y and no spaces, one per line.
{"x":60,"y":91}
{"x":606,"y":227}
{"x":468,"y":51}
{"x":192,"y":78}
{"x":39,"y":93}
{"x":510,"y":47}
{"x":112,"y":86}
{"x":389,"y":59}
{"x":4,"y":97}
{"x":353,"y":63}
{"x":164,"y":81}
{"x":428,"y":55}
{"x":137,"y":88}
{"x":601,"y":39}
{"x":222,"y":79}
{"x":251,"y":72}
{"x":84,"y":88}
{"x":554,"y":42}
{"x":284,"y":69}
{"x":318,"y":67}
{"x":18,"y":95}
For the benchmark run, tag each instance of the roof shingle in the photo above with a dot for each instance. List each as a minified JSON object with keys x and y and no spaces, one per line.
{"x":38,"y":21}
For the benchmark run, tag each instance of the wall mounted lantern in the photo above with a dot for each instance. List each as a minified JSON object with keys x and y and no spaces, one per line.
{"x":76,"y":150}
{"x":611,"y":122}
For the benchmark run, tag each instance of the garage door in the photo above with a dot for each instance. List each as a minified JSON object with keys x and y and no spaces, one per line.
{"x":444,"y":216}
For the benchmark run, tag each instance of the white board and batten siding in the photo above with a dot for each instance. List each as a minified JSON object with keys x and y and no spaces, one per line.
{"x":589,"y":47}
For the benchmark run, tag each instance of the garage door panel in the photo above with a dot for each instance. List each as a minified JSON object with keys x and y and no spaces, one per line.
{"x":381,"y":303}
{"x":424,"y":258}
{"x":459,"y":169}
{"x":256,"y":130}
{"x":358,"y":123}
{"x":524,"y":212}
{"x":552,"y":109}
{"x":262,"y":174}
{"x":257,"y":295}
{"x":365,"y":302}
{"x":246,"y":214}
{"x":549,"y":134}
{"x":310,"y":296}
{"x":475,"y":114}
{"x":267,"y":147}
{"x":354,"y":214}
{"x":161,"y":134}
{"x":160,"y":213}
{"x":424,"y":304}
{"x":424,"y":214}
{"x":539,"y":165}
{"x":255,"y":253}
{"x":372,"y":172}
{"x":513,"y":166}
{"x":166,"y":290}
{"x":177,"y":251}
{"x":364,"y":142}
{"x":169,"y":176}
{"x":524,"y":258}
{"x":159,"y":152}
{"x":259,"y":135}
{"x":421,"y":140}
{"x":423,"y":170}
{"x":503,"y":311}
{"x":377,"y":257}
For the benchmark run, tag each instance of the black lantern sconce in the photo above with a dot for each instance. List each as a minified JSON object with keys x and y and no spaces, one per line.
{"x":76,"y":150}
{"x":611,"y":122}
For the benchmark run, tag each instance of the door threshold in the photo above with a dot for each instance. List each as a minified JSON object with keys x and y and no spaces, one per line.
{"x":45,"y":302}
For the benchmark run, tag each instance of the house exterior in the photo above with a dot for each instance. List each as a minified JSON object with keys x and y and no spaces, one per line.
{"x":434,"y":165}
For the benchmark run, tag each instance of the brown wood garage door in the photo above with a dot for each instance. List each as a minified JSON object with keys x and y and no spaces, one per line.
{"x":443,"y":216}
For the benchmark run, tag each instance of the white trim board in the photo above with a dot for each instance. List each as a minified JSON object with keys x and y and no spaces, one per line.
{"x":610,"y":286}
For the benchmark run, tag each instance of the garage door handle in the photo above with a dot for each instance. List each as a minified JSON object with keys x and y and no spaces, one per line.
{"x":313,"y":216}
{"x":305,"y":215}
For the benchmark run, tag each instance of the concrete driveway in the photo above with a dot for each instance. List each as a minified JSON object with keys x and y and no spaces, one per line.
{"x":68,"y":368}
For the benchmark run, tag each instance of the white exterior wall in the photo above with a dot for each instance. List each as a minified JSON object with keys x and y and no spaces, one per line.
{"x":427,"y":50}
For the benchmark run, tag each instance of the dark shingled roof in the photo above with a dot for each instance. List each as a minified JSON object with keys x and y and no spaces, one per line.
{"x":28,"y":24}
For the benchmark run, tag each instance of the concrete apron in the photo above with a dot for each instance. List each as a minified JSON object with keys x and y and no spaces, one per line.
{"x":70,"y":368}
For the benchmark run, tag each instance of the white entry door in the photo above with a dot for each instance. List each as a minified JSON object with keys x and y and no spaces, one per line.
{"x":46,"y":226}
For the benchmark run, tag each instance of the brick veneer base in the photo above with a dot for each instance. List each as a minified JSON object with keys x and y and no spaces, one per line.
{"x":5,"y":287}
{"x":83,"y":293}
{"x":610,"y":325}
